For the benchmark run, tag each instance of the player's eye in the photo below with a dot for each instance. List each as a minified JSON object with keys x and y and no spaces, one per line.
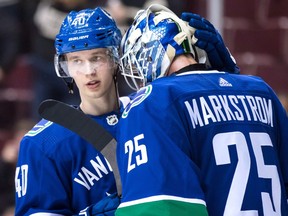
{"x":134,"y":68}
{"x":97,"y":59}
{"x":76,"y":61}
{"x":101,"y":58}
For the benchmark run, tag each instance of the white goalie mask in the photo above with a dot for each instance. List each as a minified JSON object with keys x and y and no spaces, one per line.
{"x":156,"y":36}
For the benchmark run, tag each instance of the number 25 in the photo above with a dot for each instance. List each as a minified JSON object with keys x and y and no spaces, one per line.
{"x":238,"y":186}
{"x":132,"y":148}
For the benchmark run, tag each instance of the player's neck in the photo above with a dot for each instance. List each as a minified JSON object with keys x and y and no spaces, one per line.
{"x":99,"y":106}
{"x":180,"y":62}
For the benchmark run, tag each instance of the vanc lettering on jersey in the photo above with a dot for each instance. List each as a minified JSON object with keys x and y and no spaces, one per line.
{"x":218,"y":108}
{"x":87,"y":177}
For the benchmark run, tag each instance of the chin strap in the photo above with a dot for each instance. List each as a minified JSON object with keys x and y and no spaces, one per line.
{"x":70,"y":85}
{"x":116,"y":88}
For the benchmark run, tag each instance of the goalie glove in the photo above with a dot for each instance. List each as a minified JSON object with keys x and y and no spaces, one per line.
{"x":105,"y":207}
{"x":206,"y":37}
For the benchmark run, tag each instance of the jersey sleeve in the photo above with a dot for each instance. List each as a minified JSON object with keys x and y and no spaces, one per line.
{"x":39,"y":186}
{"x":153,"y":163}
{"x":282,"y":145}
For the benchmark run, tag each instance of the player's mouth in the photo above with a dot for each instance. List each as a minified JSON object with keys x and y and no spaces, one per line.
{"x":93,"y":84}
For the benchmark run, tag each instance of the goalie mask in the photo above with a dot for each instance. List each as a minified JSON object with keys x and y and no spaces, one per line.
{"x":149,"y":46}
{"x":85,"y":30}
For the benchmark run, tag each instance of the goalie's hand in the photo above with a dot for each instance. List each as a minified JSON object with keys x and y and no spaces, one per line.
{"x":206,"y":37}
{"x":105,"y":207}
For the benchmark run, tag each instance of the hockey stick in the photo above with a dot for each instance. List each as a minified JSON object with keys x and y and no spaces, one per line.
{"x":76,"y":121}
{"x":81,"y":124}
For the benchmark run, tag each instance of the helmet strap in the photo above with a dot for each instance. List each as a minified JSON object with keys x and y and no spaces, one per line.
{"x":116,"y":87}
{"x":70,"y":85}
{"x":196,"y":57}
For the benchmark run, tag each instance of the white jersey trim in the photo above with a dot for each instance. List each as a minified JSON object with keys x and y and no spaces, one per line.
{"x":201,"y":72}
{"x":125,"y":101}
{"x":162,"y":197}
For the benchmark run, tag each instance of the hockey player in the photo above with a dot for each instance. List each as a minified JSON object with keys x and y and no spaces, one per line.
{"x":194,"y":137}
{"x":59,"y":173}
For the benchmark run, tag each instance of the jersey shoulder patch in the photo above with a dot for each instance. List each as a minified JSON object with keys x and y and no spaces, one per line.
{"x":138,"y":98}
{"x":39,"y":127}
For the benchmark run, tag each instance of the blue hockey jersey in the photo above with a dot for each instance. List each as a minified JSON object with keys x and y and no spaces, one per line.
{"x":204,"y":139}
{"x":59,"y":173}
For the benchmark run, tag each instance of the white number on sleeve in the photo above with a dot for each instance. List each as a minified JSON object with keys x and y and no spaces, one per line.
{"x":21,"y":178}
{"x":134,"y":149}
{"x":221,"y":142}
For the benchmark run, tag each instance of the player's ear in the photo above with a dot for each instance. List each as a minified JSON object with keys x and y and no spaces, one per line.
{"x":116,"y":70}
